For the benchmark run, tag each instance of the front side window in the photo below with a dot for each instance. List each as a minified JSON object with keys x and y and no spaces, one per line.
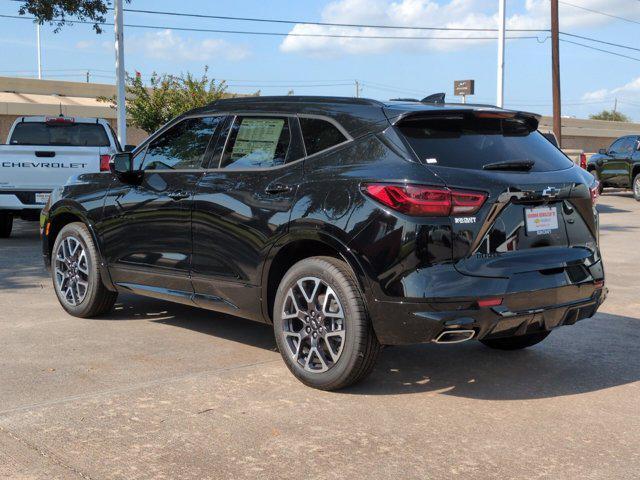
{"x":618,"y":146}
{"x":319,"y":135}
{"x":182,"y":146}
{"x":257,"y":142}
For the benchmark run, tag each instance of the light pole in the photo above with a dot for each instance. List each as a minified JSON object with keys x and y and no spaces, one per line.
{"x":555,"y":72}
{"x":501,"y":27}
{"x":38,"y":47}
{"x":120,"y":80}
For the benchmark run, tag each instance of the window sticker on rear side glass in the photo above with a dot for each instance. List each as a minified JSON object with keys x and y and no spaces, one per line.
{"x":257,"y":138}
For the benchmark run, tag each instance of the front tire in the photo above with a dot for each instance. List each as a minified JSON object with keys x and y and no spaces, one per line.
{"x":75,"y":274}
{"x":6,"y":225}
{"x":515,"y":343}
{"x":636,"y":187}
{"x":321,"y":324}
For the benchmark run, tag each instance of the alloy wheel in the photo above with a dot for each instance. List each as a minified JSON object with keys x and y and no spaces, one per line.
{"x":72,"y":271}
{"x":313,"y":325}
{"x":636,"y":186}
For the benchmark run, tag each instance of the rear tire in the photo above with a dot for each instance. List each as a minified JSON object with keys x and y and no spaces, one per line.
{"x":6,"y":225}
{"x":75,"y":273}
{"x":515,"y":343}
{"x":321,"y":324}
{"x":636,"y":187}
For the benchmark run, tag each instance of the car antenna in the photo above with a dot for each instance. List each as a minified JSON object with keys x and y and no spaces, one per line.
{"x":435,"y":98}
{"x":61,"y":114}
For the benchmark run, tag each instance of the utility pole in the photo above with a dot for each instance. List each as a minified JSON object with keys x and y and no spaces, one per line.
{"x":38,"y":47}
{"x":501,"y":27}
{"x":615,"y":106}
{"x":555,"y":72}
{"x":120,"y":85}
{"x":357,"y":89}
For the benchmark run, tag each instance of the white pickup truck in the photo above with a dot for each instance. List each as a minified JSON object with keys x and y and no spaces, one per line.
{"x":41,"y":153}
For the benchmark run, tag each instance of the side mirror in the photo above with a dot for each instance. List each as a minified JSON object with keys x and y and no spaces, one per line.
{"x":129,"y":148}
{"x":603,"y":151}
{"x":121,"y":163}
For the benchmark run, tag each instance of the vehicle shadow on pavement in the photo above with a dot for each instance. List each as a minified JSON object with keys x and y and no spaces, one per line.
{"x":132,"y":308}
{"x":592,"y":355}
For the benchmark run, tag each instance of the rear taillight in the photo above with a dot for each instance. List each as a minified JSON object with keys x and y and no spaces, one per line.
{"x":104,"y":163}
{"x":583,"y":160}
{"x":594,"y":190}
{"x":424,"y":201}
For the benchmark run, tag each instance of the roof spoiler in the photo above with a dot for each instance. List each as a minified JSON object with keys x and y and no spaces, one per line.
{"x":435,"y":98}
{"x":532,"y":119}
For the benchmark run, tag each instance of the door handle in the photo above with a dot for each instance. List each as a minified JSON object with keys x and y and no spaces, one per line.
{"x":178,"y":195}
{"x":276,"y":188}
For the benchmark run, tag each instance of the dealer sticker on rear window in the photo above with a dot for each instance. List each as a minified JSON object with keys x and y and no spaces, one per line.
{"x":541,"y":220}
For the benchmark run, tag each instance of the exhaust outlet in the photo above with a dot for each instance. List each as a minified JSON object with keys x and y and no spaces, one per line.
{"x":455,"y":336}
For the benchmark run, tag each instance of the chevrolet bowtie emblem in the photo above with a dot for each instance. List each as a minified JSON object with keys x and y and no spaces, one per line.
{"x":550,"y":192}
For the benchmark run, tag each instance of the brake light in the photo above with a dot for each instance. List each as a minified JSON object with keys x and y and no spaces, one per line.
{"x":59,"y":120}
{"x":594,"y":190}
{"x":104,"y":163}
{"x":583,"y":160}
{"x":418,"y":200}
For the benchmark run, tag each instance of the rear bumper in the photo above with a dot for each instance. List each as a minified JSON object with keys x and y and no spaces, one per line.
{"x":21,"y":202}
{"x":529,"y":303}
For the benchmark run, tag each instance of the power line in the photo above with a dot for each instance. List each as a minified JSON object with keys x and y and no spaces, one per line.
{"x":325,"y":24}
{"x":277,"y":34}
{"x":600,"y":49}
{"x":600,"y":13}
{"x":601,"y":41}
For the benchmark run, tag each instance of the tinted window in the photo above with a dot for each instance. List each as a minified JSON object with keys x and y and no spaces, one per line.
{"x":68,"y":135}
{"x":616,"y":147}
{"x":257,"y":142}
{"x":319,"y":135}
{"x":469,"y":142}
{"x":182,"y":146}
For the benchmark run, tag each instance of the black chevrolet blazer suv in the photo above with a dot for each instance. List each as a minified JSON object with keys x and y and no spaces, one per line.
{"x":347,"y":224}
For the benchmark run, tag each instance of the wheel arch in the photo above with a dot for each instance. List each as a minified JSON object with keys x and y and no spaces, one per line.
{"x":297,"y":246}
{"x":61,"y":215}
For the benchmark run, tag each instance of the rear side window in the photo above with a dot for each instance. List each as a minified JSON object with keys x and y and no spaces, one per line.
{"x":257,"y":142}
{"x":63,"y":135}
{"x":469,"y":142}
{"x":182,"y":146}
{"x":319,"y":135}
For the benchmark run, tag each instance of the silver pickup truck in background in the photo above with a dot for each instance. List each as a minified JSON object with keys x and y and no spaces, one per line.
{"x":41,"y":153}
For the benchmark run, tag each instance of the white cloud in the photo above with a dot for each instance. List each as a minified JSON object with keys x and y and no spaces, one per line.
{"x":85,"y":44}
{"x":454,"y":13}
{"x":630,"y":91}
{"x":167,"y":45}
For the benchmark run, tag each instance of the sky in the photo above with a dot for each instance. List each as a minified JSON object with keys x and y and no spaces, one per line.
{"x":384,"y":68}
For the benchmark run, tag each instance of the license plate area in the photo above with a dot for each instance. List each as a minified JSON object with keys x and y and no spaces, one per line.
{"x":42,"y":198}
{"x":541,"y":220}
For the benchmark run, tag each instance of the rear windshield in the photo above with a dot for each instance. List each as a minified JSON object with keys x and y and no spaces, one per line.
{"x":469,"y":142}
{"x":68,"y":135}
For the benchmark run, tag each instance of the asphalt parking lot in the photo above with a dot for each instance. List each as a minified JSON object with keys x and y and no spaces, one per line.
{"x":157,"y":390}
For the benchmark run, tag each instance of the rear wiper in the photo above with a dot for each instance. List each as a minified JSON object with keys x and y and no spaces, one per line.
{"x":519,"y":165}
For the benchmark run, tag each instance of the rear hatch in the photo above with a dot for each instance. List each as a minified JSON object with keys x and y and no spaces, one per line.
{"x":538,"y":216}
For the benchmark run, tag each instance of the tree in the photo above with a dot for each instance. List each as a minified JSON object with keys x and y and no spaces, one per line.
{"x":610,"y":115}
{"x":57,"y":12}
{"x":167,"y":96}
